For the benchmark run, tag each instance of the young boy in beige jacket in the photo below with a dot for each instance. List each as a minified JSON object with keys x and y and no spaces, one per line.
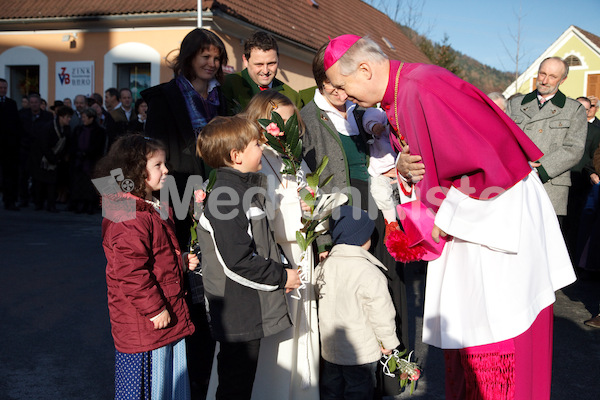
{"x":356,"y":313}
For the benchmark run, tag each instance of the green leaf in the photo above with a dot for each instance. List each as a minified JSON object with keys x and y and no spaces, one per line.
{"x":274,"y":143}
{"x":301,"y":241}
{"x":212,"y":178}
{"x":392,"y":364}
{"x":312,"y":239}
{"x":312,"y":180}
{"x":326,"y":181}
{"x":264,"y":122}
{"x":291,"y":131}
{"x":322,"y":165}
{"x":308,"y":198}
{"x":278,"y":120}
{"x":313,"y":224}
{"x":289,"y":166}
{"x":297,"y":151}
{"x":193,"y":234}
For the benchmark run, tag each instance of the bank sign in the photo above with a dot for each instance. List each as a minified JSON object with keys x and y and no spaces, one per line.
{"x":73,"y":78}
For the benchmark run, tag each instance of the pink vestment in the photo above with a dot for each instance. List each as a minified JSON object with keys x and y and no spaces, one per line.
{"x":458,"y":131}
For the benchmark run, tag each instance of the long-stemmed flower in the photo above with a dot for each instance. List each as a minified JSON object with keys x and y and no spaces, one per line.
{"x":285,"y":139}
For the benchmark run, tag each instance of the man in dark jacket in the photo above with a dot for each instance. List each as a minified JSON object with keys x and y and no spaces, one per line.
{"x":35,"y":122}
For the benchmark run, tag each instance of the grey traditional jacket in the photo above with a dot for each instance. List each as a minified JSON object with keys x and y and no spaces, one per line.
{"x":559,"y":129}
{"x":322,"y":139}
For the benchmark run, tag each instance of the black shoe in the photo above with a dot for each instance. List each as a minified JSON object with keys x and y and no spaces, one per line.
{"x":23,"y":204}
{"x":52,"y":210}
{"x":11,"y":207}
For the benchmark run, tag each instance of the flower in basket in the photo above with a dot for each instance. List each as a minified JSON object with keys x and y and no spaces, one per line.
{"x":397,"y":364}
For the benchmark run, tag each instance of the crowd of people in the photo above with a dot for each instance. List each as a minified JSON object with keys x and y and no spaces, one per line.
{"x":50,"y":152}
{"x":509,"y":182}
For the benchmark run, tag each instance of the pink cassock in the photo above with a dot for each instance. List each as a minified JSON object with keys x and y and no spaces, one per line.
{"x":458,"y":131}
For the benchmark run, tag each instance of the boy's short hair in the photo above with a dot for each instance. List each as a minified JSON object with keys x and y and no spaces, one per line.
{"x":223,"y":134}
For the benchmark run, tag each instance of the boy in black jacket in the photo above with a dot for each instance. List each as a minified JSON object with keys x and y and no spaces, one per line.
{"x":244,"y":278}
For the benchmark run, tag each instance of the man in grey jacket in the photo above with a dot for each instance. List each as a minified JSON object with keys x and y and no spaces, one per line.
{"x":557,"y":125}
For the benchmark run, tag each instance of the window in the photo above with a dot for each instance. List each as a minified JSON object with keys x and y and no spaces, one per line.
{"x":133,"y":76}
{"x":24,"y":79}
{"x":573,"y":61}
{"x":27,"y":69}
{"x":132,"y":65}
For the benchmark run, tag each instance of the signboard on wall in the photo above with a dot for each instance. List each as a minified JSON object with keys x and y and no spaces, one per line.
{"x":73,"y":78}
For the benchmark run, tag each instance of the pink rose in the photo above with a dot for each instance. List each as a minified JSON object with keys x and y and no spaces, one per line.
{"x":403,"y":375}
{"x":273,"y":129}
{"x":416,"y":375}
{"x":199,"y":196}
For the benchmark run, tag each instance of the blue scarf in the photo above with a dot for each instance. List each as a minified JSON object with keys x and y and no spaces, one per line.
{"x":200,"y":110}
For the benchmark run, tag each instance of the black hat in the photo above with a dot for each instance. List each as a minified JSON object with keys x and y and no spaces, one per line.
{"x":351,"y":225}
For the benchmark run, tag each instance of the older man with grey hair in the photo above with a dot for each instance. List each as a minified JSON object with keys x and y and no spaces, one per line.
{"x":498,"y":99}
{"x":80,"y":104}
{"x":557,"y":125}
{"x":459,"y":135}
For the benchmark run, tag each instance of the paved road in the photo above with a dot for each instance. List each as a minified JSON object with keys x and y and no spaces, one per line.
{"x":55,"y":333}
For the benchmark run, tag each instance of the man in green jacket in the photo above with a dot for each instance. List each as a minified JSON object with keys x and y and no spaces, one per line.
{"x":261,"y":60}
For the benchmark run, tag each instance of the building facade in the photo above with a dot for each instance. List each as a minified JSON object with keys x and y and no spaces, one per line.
{"x":60,"y":49}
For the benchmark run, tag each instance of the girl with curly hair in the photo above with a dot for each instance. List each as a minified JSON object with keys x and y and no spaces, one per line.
{"x":144,"y":275}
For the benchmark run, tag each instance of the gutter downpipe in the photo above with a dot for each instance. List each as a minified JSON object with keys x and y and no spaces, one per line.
{"x":199,"y":14}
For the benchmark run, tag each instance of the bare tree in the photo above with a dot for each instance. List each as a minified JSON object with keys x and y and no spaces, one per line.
{"x":408,"y":13}
{"x":517,"y":38}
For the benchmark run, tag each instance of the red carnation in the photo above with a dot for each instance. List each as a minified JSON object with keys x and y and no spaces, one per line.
{"x":397,"y":245}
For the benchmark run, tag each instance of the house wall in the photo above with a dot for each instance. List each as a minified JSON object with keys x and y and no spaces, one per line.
{"x":577,"y":82}
{"x":109,"y":47}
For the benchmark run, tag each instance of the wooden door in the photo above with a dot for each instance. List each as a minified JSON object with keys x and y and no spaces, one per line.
{"x":593,"y":85}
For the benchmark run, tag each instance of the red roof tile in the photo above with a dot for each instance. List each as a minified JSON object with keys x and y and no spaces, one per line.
{"x":297,"y":20}
{"x":80,"y":8}
{"x":300,"y":21}
{"x":593,"y":38}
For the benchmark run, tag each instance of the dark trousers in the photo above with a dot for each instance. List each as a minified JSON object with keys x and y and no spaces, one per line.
{"x":348,"y":382}
{"x":236,"y":365}
{"x":44,"y":191}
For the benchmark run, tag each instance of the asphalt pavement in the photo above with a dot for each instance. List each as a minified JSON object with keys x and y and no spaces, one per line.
{"x":55,"y":332}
